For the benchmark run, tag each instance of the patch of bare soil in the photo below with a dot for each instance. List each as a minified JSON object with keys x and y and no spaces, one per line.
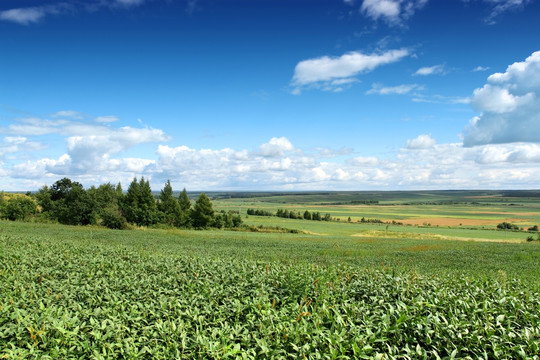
{"x":444,"y":221}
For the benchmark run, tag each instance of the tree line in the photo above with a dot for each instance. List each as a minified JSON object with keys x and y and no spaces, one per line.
{"x":67,"y":202}
{"x":291,"y":214}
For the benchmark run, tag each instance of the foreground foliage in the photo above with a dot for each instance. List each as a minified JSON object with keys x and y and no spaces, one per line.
{"x":104,"y":294}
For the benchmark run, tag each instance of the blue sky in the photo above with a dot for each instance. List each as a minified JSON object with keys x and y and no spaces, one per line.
{"x":271,"y":94}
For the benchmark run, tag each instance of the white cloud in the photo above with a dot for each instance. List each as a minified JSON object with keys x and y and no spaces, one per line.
{"x":276,"y":147}
{"x":331,"y":72}
{"x":32,"y":15}
{"x":388,"y":90}
{"x":481,"y":68}
{"x":394,"y":12}
{"x":329,"y":153}
{"x":34,"y":126}
{"x":509,"y":106}
{"x":89,"y":152}
{"x":17,"y":144}
{"x":430,"y":70}
{"x":23,"y":16}
{"x":501,"y":6}
{"x":422,"y":164}
{"x":364,"y":161}
{"x":421,"y":142}
{"x":498,"y":99}
{"x":107,"y":119}
{"x":441,"y":99}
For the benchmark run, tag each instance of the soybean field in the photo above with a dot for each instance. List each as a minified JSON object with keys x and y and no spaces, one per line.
{"x":89,"y":292}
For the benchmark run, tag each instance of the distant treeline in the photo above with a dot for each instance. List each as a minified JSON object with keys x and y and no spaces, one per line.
{"x":353,"y":202}
{"x":291,"y":214}
{"x":67,"y":202}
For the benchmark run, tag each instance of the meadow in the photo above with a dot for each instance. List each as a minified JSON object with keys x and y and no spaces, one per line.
{"x":335,"y":290}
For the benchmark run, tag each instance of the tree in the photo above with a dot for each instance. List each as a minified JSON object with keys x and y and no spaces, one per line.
{"x":112,"y":217}
{"x":185,"y":207}
{"x":139,"y":205}
{"x":507,"y":226}
{"x":307,"y":215}
{"x":108,"y":200}
{"x":71,"y":204}
{"x":19,"y":208}
{"x":203,"y":212}
{"x":183,"y":199}
{"x":130,"y":203}
{"x":119,"y":192}
{"x":168,"y":206}
{"x":147,"y":204}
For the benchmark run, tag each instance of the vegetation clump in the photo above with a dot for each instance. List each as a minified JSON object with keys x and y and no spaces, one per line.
{"x":507,"y":226}
{"x":67,"y":202}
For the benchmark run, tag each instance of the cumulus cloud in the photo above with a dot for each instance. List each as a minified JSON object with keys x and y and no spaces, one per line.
{"x":17,"y":144}
{"x":89,"y":152}
{"x":509,"y":106}
{"x":388,"y":90}
{"x":422,"y":164}
{"x":496,"y":99}
{"x":331,"y":73}
{"x":394,"y":12}
{"x":364,"y":161}
{"x":421,"y":142}
{"x":430,"y":70}
{"x":276,"y":147}
{"x":278,"y":164}
{"x":89,"y":146}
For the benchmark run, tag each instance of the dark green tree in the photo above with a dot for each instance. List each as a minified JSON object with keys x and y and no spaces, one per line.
{"x":112,"y":217}
{"x":203,"y":212}
{"x":307,"y":215}
{"x":44,"y":200}
{"x":71,"y":204}
{"x":108,"y":200}
{"x":185,"y":207}
{"x":130,"y":203}
{"x":183,"y":199}
{"x":119,"y":191}
{"x":147,"y":204}
{"x":168,"y":206}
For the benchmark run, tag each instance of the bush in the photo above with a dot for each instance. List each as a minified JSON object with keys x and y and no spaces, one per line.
{"x":507,"y":226}
{"x":19,"y":208}
{"x":113,"y":219}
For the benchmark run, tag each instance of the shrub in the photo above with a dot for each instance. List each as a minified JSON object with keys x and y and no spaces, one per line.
{"x":113,"y":219}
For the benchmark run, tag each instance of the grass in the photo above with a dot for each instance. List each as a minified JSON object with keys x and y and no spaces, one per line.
{"x":83,"y":292}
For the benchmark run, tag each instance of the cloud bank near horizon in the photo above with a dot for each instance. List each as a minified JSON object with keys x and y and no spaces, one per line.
{"x":98,"y":157}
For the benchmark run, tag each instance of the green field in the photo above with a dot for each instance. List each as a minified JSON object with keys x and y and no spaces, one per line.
{"x":333,"y":290}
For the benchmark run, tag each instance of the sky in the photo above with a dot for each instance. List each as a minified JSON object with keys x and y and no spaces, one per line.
{"x":271,"y":94}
